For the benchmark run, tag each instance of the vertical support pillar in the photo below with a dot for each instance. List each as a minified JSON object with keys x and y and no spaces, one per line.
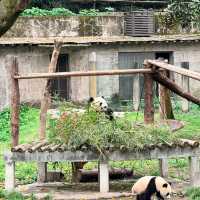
{"x":185,"y":86}
{"x":93,"y":79}
{"x":148,"y":96}
{"x":42,"y":172}
{"x":104,"y":176}
{"x":166,"y":111}
{"x":9,"y":172}
{"x":136,"y":91}
{"x":12,"y":68}
{"x":163,"y":167}
{"x":194,"y":171}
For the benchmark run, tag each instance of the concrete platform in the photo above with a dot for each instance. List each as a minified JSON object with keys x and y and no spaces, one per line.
{"x":63,"y":191}
{"x":120,"y":190}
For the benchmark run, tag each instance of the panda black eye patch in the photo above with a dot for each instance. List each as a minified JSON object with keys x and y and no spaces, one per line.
{"x":100,"y":103}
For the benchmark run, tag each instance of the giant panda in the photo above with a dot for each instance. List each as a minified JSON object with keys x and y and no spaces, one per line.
{"x":148,"y":186}
{"x":99,"y":104}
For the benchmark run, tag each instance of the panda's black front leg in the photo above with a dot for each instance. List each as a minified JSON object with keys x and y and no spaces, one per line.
{"x":159,"y":197}
{"x":143,"y":197}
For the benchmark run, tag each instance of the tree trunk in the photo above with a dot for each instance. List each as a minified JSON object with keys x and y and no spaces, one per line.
{"x":9,"y":11}
{"x":47,"y":93}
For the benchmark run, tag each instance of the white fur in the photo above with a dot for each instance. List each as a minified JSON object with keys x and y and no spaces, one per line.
{"x":99,"y":104}
{"x":141,"y":185}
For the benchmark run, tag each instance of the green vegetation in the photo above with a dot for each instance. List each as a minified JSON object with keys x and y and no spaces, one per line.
{"x":43,"y":12}
{"x":95,"y":131}
{"x":29,"y":124}
{"x":29,"y":118}
{"x":185,"y":11}
{"x":193,"y":193}
{"x":34,"y":11}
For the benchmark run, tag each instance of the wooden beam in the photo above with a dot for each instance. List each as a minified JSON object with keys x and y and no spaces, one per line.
{"x":186,"y":72}
{"x":174,"y":87}
{"x":12,"y":67}
{"x":47,"y":96}
{"x":82,"y":73}
{"x":148,"y":96}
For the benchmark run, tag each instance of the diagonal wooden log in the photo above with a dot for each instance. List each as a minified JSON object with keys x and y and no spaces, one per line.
{"x":163,"y":80}
{"x":185,"y":72}
{"x":47,"y":93}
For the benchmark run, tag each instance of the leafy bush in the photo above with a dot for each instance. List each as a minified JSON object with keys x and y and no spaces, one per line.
{"x":43,"y":12}
{"x":96,"y":132}
{"x":185,"y":11}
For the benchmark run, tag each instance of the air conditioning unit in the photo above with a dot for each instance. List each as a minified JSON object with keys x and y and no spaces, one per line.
{"x":139,"y":23}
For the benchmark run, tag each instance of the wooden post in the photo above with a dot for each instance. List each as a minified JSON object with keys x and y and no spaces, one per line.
{"x":166,"y":111}
{"x":12,"y":69}
{"x":194,"y":171}
{"x":9,"y":172}
{"x":47,"y":96}
{"x":185,"y":86}
{"x":103,"y":176}
{"x":148,"y":96}
{"x":42,"y":166}
{"x":93,"y":79}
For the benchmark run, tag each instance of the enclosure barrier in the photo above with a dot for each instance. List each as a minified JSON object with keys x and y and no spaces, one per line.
{"x":153,"y":71}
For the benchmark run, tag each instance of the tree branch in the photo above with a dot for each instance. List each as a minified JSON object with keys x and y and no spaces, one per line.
{"x":9,"y":11}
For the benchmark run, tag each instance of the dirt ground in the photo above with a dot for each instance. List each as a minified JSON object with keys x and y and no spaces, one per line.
{"x":63,"y":191}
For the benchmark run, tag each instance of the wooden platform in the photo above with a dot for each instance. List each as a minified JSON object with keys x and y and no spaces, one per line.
{"x":43,"y":152}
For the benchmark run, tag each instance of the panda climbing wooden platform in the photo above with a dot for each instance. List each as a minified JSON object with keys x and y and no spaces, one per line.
{"x":43,"y":152}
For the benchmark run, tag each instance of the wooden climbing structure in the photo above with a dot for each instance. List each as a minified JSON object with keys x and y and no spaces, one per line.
{"x":43,"y":152}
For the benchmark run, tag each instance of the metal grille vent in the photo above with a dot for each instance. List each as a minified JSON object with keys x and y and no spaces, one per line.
{"x":139,"y":23}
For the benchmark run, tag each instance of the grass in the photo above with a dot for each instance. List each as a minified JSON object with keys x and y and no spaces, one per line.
{"x":29,"y":121}
{"x":193,"y":193}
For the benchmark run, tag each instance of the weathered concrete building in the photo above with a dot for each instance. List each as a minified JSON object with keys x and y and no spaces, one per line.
{"x":89,"y":43}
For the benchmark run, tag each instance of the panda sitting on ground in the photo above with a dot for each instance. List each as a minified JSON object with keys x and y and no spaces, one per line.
{"x":99,"y":104}
{"x":148,"y":186}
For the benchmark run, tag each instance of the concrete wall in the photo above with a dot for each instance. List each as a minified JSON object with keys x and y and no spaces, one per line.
{"x":36,"y":59}
{"x":67,"y":26}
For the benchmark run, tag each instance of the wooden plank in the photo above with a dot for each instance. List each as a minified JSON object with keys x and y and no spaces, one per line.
{"x":12,"y":68}
{"x":186,"y":72}
{"x":148,"y":97}
{"x":47,"y":96}
{"x":79,"y":156}
{"x":82,"y":73}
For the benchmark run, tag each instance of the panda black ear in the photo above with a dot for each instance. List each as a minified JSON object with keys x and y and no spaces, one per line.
{"x":165,"y":185}
{"x":170,"y":183}
{"x":91,"y":99}
{"x":102,"y":97}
